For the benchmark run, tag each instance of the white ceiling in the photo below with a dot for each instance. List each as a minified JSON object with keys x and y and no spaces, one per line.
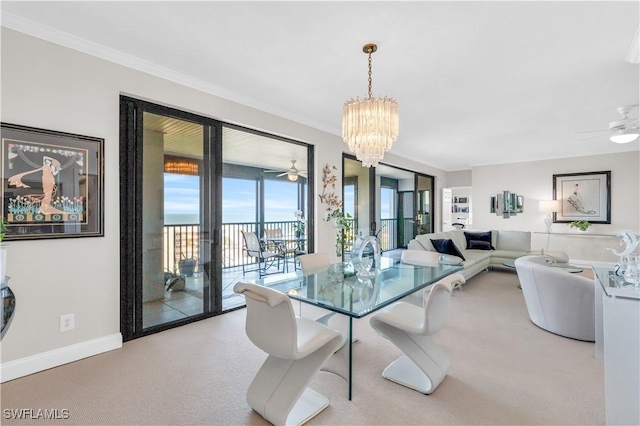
{"x":477,"y":82}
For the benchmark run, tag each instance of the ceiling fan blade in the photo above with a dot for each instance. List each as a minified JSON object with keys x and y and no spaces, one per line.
{"x":283,"y":174}
{"x":593,"y":131}
{"x":593,"y":137}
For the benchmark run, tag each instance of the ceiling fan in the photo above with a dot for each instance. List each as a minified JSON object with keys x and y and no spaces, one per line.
{"x":291,"y":174}
{"x":622,"y":131}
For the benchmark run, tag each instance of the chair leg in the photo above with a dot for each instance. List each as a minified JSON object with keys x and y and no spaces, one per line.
{"x":279,"y":391}
{"x":425,"y":365}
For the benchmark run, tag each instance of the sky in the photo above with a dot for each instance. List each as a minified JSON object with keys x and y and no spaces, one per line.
{"x":182,"y":200}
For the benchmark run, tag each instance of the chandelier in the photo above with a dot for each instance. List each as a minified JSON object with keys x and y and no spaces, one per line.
{"x":370,"y":126}
{"x":180,"y":165}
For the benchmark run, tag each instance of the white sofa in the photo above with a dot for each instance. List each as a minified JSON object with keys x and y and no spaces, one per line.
{"x":509,"y":245}
{"x":558,"y":301}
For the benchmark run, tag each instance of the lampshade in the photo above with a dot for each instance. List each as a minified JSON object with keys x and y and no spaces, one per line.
{"x":370,"y":126}
{"x":549,"y":206}
{"x":625,"y":136}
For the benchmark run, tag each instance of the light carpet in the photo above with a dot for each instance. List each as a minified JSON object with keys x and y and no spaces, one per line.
{"x":505,"y":370}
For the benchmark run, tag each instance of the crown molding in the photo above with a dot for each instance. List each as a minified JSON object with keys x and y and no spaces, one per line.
{"x":634,"y":50}
{"x":26,"y":26}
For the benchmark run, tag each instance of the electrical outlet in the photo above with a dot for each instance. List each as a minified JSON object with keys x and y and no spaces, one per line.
{"x":67,"y":322}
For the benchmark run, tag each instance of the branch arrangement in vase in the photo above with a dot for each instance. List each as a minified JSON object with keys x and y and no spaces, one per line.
{"x":344,"y":230}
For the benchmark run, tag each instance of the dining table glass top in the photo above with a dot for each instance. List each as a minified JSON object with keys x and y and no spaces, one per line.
{"x":338,"y":288}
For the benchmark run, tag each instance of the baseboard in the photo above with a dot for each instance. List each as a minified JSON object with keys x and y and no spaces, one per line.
{"x":33,"y":364}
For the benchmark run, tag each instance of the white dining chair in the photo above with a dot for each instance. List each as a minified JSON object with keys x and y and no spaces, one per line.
{"x":297,"y":348}
{"x":424,"y":364}
{"x":315,"y":262}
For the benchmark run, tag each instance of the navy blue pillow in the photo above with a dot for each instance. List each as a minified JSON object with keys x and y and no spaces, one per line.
{"x":478,"y":245}
{"x":447,"y":247}
{"x":478,"y":236}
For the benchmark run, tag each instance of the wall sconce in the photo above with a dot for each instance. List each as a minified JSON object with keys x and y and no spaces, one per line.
{"x":507,"y":204}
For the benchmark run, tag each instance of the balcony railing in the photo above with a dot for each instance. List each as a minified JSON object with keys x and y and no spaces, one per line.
{"x":183,"y":241}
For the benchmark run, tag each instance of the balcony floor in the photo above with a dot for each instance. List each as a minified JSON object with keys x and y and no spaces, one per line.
{"x":181,"y":304}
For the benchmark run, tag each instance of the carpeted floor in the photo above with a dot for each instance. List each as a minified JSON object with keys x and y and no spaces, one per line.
{"x":505,"y":370}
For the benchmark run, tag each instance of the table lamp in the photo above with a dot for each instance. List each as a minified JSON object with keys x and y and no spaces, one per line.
{"x":549,"y":206}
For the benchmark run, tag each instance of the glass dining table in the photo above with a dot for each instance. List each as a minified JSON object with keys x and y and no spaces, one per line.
{"x":338,"y":288}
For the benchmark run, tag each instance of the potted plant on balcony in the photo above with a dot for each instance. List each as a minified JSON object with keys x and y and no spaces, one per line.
{"x":186,"y":265}
{"x":299,"y":225}
{"x":173,"y":280}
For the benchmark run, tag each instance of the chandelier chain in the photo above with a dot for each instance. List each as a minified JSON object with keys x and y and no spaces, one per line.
{"x":370,"y":95}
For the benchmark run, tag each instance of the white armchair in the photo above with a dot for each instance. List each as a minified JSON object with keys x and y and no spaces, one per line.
{"x":297,"y":348}
{"x":557,"y":301}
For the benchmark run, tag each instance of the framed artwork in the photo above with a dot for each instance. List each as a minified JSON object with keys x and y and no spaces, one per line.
{"x":52,"y":183}
{"x":583,"y":196}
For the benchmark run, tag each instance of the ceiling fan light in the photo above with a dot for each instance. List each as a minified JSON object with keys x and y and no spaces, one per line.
{"x":625,"y":137}
{"x":292,"y":177}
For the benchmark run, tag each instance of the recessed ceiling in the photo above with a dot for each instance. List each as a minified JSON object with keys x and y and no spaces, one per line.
{"x":477,"y":82}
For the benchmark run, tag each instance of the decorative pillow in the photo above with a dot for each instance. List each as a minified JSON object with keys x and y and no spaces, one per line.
{"x":447,"y":247}
{"x":478,"y":245}
{"x":478,"y":236}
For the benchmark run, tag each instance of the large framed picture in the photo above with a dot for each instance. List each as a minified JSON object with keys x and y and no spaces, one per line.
{"x":583,"y":196}
{"x":52,"y":183}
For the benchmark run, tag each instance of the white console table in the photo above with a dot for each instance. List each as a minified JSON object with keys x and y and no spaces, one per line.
{"x":618,"y":339}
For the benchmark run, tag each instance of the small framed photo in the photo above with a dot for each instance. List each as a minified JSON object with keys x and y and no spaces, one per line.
{"x":52,"y":183}
{"x":583,"y":196}
{"x":463,"y":200}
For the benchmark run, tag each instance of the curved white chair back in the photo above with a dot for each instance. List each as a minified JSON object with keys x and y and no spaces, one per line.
{"x":437,"y":308}
{"x":557,"y":301}
{"x":271,"y":322}
{"x":313,"y":262}
{"x":420,"y":257}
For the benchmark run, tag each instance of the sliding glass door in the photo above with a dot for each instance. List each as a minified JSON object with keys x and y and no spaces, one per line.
{"x":191,"y":187}
{"x":168,"y":219}
{"x":392,"y":203}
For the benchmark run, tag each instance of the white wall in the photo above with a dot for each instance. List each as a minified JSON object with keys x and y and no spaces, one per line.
{"x":459,"y":178}
{"x":534,"y":181}
{"x":48,"y":86}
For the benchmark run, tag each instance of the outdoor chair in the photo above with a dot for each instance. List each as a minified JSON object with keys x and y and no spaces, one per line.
{"x":276,"y":242}
{"x":253,"y":248}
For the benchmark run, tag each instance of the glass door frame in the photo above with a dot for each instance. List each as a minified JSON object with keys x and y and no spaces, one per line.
{"x":373,"y":195}
{"x":131,"y":219}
